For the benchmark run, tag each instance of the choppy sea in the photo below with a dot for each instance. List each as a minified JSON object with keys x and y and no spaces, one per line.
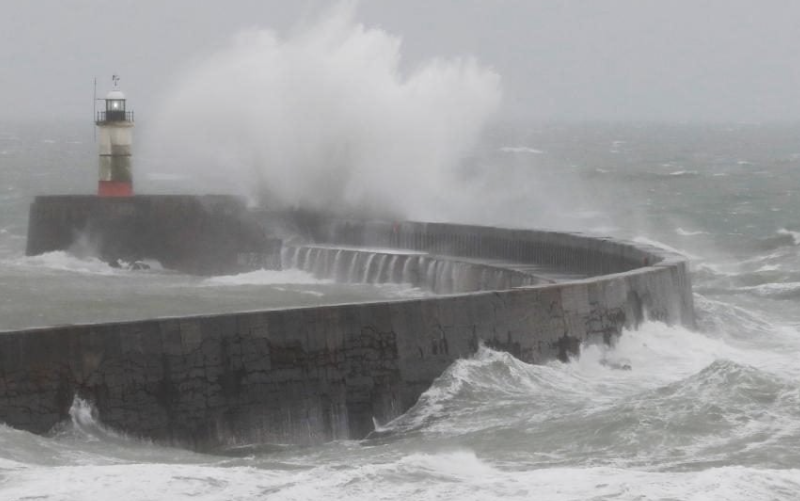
{"x":708,"y":414}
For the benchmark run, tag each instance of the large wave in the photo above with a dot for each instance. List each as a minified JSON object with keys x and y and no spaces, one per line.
{"x":327,"y":117}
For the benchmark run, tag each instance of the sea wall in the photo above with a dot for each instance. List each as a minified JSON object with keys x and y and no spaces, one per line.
{"x":313,"y":374}
{"x":195,"y":234}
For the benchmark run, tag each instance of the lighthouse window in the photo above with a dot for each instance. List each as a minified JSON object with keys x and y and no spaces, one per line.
{"x":115,"y":105}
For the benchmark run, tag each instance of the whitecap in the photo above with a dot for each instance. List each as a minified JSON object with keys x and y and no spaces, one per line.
{"x":64,"y":261}
{"x":794,"y":234}
{"x":403,"y":290}
{"x":266,"y":277}
{"x":713,"y":268}
{"x":656,"y":243}
{"x":688,"y":233}
{"x":773,"y":288}
{"x":457,"y":465}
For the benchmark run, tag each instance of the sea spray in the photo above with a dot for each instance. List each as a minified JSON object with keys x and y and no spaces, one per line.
{"x":266,"y":277}
{"x":327,"y":117}
{"x":60,"y":261}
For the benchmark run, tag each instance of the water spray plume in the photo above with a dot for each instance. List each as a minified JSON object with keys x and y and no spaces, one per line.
{"x":324,"y":118}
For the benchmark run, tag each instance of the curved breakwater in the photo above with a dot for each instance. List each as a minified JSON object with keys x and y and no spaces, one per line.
{"x":312,"y":374}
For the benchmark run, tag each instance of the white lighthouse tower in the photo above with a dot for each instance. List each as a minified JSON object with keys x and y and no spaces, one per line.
{"x":115,"y":126}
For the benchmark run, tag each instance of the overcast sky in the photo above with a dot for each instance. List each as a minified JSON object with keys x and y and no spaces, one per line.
{"x":673,"y":60}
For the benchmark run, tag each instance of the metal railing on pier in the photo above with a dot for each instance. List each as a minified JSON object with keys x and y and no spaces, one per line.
{"x":114,"y":116}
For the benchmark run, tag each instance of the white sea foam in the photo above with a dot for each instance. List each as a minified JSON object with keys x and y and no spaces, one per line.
{"x":656,"y":355}
{"x":124,"y":482}
{"x":402,"y":290}
{"x":83,"y":416}
{"x":431,"y":476}
{"x":773,"y":288}
{"x":455,"y":402}
{"x":672,"y":352}
{"x":300,"y":291}
{"x":763,"y":257}
{"x":266,"y":277}
{"x":64,"y":261}
{"x":9,"y":464}
{"x":718,"y":269}
{"x":689,"y":233}
{"x":794,"y":234}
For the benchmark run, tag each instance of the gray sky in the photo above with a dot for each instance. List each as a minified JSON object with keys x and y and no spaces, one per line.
{"x":695,"y":60}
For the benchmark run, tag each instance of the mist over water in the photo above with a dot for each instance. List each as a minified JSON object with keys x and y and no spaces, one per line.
{"x":326,"y":117}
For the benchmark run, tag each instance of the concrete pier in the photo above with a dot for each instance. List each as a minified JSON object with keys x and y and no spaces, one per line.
{"x":313,"y":374}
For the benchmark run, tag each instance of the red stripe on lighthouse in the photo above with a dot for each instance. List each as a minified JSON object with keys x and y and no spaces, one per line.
{"x":114,"y":189}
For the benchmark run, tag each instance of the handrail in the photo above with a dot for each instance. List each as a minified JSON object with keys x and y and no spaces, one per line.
{"x":114,"y":116}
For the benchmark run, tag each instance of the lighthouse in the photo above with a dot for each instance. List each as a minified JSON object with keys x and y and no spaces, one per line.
{"x":115,"y":126}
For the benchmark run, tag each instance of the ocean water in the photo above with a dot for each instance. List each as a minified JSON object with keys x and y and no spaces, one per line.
{"x":708,"y":414}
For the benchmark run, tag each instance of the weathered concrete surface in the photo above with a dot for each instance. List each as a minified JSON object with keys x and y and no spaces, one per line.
{"x":195,"y":234}
{"x":313,"y":374}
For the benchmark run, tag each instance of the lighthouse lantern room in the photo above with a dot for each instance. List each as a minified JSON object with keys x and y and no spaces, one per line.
{"x":115,"y":138}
